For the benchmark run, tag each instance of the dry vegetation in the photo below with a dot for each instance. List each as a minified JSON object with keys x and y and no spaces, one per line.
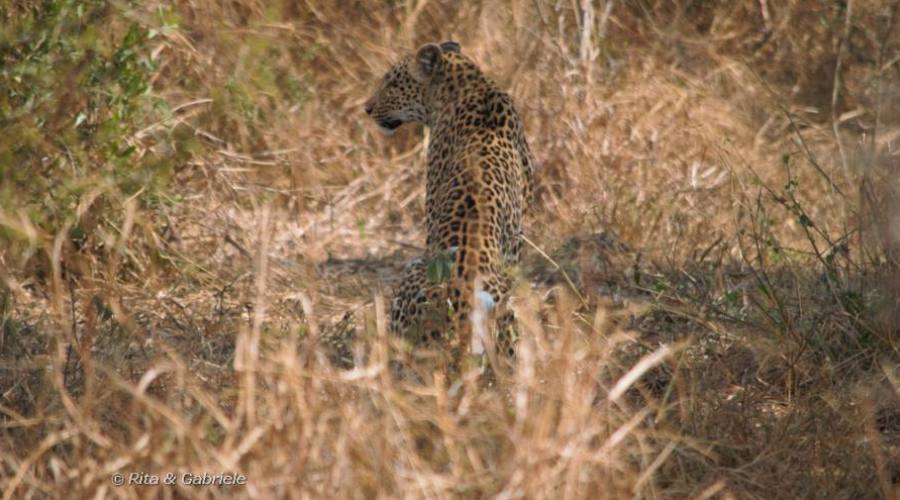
{"x":190,"y":196}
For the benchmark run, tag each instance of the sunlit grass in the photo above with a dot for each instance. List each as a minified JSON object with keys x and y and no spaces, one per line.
{"x":191,"y":197}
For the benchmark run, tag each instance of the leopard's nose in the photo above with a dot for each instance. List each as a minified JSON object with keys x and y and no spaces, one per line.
{"x":368,"y":107}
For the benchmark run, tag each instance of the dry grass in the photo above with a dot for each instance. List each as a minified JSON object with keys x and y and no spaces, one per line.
{"x":747,"y":151}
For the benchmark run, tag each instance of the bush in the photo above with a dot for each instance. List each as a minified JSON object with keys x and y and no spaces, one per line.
{"x":76,"y":89}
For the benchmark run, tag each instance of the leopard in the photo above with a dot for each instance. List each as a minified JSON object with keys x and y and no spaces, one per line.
{"x":479,"y":180}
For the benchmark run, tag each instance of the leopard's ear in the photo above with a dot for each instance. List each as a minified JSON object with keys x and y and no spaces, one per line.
{"x":427,"y":62}
{"x":451,"y":46}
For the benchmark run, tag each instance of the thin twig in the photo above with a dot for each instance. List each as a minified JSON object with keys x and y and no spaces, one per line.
{"x":794,"y":128}
{"x":835,"y":90}
{"x":581,"y":298}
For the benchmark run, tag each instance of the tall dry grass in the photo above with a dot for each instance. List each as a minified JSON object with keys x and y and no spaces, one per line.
{"x":714,"y":303}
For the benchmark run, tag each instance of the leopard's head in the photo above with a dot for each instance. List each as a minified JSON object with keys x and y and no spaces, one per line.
{"x":400,"y":97}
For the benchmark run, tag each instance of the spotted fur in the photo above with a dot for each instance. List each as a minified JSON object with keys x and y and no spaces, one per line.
{"x":478,"y":182}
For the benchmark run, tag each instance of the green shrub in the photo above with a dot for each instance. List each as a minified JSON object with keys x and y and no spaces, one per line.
{"x":75,"y":86}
